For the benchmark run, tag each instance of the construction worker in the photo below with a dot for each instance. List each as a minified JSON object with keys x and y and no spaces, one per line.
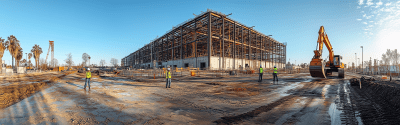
{"x":275,"y":73}
{"x":168,"y":76}
{"x":88,"y":76}
{"x":261,"y":74}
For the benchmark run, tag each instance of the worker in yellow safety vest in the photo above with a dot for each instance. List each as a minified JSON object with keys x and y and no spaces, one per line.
{"x":261,"y":74}
{"x":275,"y":73}
{"x":88,"y":76}
{"x":168,"y":76}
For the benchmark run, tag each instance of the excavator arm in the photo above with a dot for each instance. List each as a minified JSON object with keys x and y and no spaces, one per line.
{"x":323,"y":39}
{"x":318,"y":68}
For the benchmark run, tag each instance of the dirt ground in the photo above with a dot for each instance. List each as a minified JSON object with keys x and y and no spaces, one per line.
{"x":59,"y":98}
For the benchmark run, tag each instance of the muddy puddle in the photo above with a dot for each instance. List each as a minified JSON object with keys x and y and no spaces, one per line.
{"x":342,"y":111}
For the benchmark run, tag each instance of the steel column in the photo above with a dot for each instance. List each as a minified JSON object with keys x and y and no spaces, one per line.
{"x":249,"y":42}
{"x":234,"y":46}
{"x":209,"y":40}
{"x":181,"y":46}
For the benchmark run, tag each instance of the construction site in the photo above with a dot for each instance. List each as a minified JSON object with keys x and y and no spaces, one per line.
{"x":209,"y":70}
{"x":210,"y":41}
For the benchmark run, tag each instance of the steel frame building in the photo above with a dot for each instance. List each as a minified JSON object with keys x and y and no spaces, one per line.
{"x":212,"y":41}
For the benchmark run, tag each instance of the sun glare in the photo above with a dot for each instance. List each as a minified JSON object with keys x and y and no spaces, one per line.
{"x":388,"y":39}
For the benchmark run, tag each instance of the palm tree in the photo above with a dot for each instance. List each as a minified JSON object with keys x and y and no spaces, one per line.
{"x":19,"y":56}
{"x":12,"y":45}
{"x":36,"y":50}
{"x":24,"y":62}
{"x":2,"y":49}
{"x":29,"y":57}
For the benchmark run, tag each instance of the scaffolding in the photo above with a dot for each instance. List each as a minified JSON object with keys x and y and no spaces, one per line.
{"x":210,"y":34}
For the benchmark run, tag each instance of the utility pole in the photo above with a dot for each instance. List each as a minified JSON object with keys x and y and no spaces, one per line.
{"x":362,"y":59}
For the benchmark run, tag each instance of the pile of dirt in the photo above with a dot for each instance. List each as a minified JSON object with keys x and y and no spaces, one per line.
{"x":383,"y":91}
{"x":12,"y":94}
{"x":378,"y":102}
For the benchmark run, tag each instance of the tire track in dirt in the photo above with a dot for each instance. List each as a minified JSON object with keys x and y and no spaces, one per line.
{"x":294,"y":118}
{"x":191,"y":104}
{"x":188,"y":91}
{"x":251,"y":114}
{"x":239,"y":118}
{"x":348,"y":115}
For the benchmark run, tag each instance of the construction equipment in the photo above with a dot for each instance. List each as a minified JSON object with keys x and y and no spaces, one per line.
{"x":59,"y":68}
{"x":51,"y":48}
{"x":320,"y":68}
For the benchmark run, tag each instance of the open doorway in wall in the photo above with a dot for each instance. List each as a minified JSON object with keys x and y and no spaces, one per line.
{"x":186,"y":65}
{"x":202,"y":65}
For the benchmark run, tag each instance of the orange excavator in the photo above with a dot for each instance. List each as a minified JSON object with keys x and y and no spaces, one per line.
{"x":320,"y":68}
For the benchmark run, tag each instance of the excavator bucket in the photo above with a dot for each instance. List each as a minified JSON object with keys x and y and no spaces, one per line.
{"x":317,"y":69}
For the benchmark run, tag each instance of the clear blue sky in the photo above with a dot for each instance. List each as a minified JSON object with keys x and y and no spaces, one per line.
{"x":114,"y":29}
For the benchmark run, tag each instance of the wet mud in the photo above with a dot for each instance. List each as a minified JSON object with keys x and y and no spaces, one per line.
{"x":295,"y":99}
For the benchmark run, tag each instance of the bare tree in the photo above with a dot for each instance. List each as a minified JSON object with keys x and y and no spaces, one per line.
{"x":43,"y":64}
{"x":386,"y":58}
{"x":85,"y":58}
{"x":395,"y":56}
{"x":102,"y":62}
{"x":381,"y":65}
{"x":375,"y":65}
{"x":54,"y":62}
{"x":69,"y":61}
{"x":114,"y":62}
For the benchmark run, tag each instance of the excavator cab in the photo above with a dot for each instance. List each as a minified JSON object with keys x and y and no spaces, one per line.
{"x":336,"y":60}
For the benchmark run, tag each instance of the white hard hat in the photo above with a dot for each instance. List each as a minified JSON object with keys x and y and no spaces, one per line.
{"x":88,"y":68}
{"x":168,"y":69}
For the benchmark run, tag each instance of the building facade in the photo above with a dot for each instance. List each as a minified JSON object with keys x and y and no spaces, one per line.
{"x":210,"y":41}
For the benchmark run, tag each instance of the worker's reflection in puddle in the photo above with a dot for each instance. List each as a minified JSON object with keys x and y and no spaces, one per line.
{"x":87,"y":92}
